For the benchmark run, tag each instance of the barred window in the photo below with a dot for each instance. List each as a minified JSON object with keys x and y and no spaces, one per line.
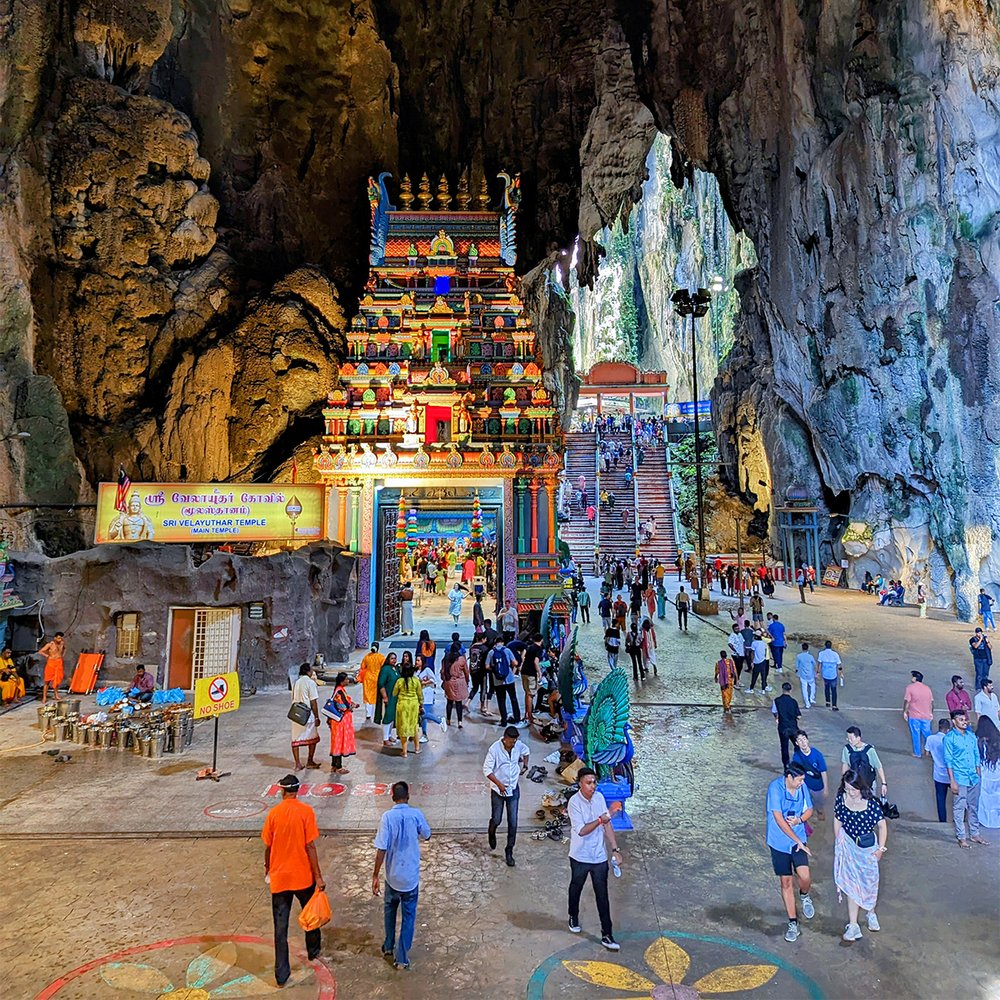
{"x":127,"y":638}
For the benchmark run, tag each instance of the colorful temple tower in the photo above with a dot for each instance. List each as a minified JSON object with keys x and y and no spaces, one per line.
{"x":441,"y":397}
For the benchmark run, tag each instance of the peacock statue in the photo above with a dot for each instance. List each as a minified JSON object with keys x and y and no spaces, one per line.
{"x":599,"y":732}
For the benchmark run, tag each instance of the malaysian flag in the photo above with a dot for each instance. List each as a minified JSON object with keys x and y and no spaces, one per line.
{"x":121,"y":497}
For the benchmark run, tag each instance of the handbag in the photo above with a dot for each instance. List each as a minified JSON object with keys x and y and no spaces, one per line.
{"x":332,"y":710}
{"x":300,"y":713}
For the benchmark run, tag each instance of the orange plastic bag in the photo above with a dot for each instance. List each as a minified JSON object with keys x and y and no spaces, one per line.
{"x":316,"y":912}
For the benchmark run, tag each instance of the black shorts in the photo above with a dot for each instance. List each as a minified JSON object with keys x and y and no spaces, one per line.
{"x":785,"y":864}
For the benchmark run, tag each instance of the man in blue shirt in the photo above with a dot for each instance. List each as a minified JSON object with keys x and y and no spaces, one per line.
{"x":789,"y":805}
{"x":776,"y":630}
{"x":397,"y":844}
{"x":961,"y":756}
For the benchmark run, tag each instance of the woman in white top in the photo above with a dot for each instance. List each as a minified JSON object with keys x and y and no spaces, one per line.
{"x":306,"y":692}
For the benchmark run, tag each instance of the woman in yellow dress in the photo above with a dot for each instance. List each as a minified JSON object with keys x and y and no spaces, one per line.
{"x":409,"y":693}
{"x":11,"y":682}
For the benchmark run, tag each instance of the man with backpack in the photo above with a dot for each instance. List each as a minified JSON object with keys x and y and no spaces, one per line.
{"x":502,"y":668}
{"x":861,"y":758}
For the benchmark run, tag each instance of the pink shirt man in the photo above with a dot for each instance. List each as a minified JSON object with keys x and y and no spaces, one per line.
{"x":919,"y":701}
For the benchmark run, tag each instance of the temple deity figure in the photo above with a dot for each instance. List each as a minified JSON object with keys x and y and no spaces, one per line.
{"x":131,"y":525}
{"x":413,"y":419}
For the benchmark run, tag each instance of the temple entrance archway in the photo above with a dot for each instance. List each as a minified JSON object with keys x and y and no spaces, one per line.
{"x":439,"y":520}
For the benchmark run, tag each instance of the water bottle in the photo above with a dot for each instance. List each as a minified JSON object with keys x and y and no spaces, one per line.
{"x":615,"y":867}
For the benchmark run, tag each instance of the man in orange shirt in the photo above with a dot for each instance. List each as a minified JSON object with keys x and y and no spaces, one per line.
{"x":292,"y":868}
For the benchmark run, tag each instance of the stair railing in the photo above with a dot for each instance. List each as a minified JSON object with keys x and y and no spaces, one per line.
{"x":635,"y":488}
{"x":679,"y":539}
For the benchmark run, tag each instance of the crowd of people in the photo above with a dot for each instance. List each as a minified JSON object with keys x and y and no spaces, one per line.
{"x":518,"y":669}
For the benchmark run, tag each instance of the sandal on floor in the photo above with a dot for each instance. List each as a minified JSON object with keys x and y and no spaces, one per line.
{"x":313,"y":765}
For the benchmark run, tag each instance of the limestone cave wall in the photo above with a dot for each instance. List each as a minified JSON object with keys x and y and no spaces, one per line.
{"x":183,"y":227}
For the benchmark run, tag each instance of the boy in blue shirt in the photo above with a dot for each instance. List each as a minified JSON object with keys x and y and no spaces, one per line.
{"x":776,"y":630}
{"x":814,"y":764}
{"x":789,"y":805}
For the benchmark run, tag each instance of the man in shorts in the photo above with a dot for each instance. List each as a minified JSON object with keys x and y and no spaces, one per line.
{"x":530,"y":661}
{"x":789,"y":806}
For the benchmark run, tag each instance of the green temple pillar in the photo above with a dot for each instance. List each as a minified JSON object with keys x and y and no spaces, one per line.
{"x":355,"y":517}
{"x":520,"y":515}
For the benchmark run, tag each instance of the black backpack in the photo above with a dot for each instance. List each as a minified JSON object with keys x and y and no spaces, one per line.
{"x":861,"y":765}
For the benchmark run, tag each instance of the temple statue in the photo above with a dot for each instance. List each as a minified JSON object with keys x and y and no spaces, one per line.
{"x":131,"y":525}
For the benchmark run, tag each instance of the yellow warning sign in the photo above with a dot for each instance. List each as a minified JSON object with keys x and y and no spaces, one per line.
{"x":215,"y":695}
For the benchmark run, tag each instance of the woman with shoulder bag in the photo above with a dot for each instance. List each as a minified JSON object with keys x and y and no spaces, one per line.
{"x":860,"y":833}
{"x":338,"y":711}
{"x":304,"y":715}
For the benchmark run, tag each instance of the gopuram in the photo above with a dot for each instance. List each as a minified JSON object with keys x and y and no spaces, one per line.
{"x":442,"y":398}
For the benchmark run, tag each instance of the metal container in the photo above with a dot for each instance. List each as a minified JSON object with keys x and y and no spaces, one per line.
{"x":105,"y":734}
{"x":46,"y":717}
{"x":64,"y":730}
{"x":84,"y":734}
{"x":68,"y":706}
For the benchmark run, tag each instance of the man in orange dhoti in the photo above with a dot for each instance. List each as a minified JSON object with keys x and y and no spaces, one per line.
{"x":371,"y":664}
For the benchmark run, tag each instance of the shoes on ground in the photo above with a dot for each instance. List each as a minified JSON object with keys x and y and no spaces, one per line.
{"x":808,"y":910}
{"x":852,"y":932}
{"x":574,"y":928}
{"x":610,"y":943}
{"x":793,"y":932}
{"x":423,"y":739}
{"x":873,"y":924}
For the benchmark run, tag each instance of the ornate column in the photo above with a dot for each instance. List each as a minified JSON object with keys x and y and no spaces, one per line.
{"x":342,"y":512}
{"x":533,"y":487}
{"x":550,"y":490}
{"x":521,"y":531}
{"x":355,"y":517}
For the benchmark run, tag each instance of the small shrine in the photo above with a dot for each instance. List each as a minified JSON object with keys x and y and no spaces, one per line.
{"x":442,"y":390}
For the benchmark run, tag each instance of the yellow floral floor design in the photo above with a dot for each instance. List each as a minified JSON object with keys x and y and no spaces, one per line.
{"x":661,"y":971}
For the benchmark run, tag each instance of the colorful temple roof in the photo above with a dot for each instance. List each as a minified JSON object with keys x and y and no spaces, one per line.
{"x":441,"y":369}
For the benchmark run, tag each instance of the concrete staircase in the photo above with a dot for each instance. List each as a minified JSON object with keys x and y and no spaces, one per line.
{"x":654,"y":498}
{"x":580,"y":460}
{"x":615,"y":538}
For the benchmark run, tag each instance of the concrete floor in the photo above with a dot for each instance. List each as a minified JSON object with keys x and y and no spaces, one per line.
{"x":118,"y":854}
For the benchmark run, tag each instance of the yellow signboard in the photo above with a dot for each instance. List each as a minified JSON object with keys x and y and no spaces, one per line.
{"x":210,"y":512}
{"x":215,"y":695}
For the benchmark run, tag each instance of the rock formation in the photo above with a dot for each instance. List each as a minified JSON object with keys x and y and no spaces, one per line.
{"x":183,"y":211}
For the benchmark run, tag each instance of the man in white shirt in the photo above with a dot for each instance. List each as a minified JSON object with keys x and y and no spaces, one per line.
{"x":832,"y":670}
{"x":986,"y":702}
{"x":589,"y":828}
{"x":934,"y":747}
{"x":506,"y":760}
{"x":805,"y":668}
{"x":508,"y":621}
{"x":738,"y":648}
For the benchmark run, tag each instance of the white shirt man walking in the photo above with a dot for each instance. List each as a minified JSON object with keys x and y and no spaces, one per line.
{"x":505,"y":761}
{"x":590,"y":832}
{"x":986,"y":703}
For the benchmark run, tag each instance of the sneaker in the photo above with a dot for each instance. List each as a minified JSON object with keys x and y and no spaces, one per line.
{"x":574,"y":928}
{"x":423,"y":739}
{"x":768,"y":689}
{"x":873,"y":924}
{"x":610,"y":943}
{"x":443,"y":725}
{"x":523,"y":724}
{"x":852,"y":932}
{"x":792,"y":934}
{"x":746,"y":690}
{"x":835,"y":708}
{"x":808,"y":910}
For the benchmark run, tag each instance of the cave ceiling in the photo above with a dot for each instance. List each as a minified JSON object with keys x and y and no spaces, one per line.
{"x":184,"y":225}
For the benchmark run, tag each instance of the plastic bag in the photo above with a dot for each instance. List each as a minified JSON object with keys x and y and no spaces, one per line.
{"x":316,"y":912}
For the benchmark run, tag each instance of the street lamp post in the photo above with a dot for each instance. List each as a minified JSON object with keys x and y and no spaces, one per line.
{"x":695,"y":304}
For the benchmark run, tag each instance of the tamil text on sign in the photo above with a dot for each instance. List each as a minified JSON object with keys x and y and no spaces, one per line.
{"x":210,"y":512}
{"x":215,"y":695}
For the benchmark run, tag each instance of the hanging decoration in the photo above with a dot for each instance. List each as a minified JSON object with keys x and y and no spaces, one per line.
{"x":411,"y":530}
{"x":476,"y":528}
{"x":401,"y":527}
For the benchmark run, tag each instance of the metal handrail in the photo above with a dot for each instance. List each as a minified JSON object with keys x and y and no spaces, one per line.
{"x":635,"y":488}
